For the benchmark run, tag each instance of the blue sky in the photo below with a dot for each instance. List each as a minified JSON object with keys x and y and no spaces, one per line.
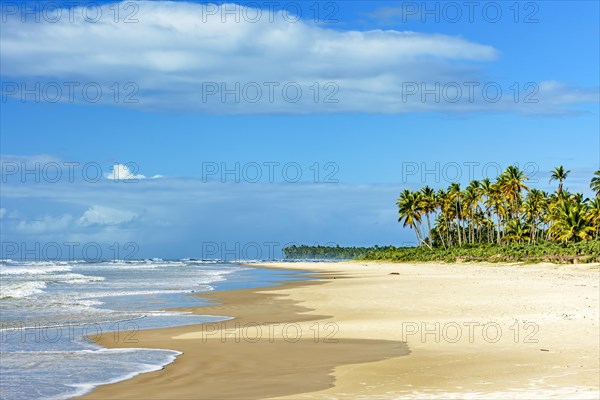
{"x":355,"y":153}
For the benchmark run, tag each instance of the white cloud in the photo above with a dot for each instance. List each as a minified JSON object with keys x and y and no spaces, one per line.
{"x":122,"y":172}
{"x":178,"y":51}
{"x":2,"y":212}
{"x":100,"y":215}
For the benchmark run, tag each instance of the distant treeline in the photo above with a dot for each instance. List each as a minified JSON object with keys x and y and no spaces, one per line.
{"x":570,"y":252}
{"x":325,"y":252}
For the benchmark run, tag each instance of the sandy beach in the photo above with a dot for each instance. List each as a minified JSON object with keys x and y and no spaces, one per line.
{"x":375,"y":330}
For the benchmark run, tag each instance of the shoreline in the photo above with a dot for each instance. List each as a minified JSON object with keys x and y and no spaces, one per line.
{"x":370,"y":312}
{"x":279,"y":339}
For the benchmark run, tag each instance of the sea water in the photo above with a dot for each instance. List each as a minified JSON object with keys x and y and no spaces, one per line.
{"x":48,"y":308}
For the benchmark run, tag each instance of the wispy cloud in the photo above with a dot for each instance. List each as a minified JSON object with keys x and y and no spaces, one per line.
{"x":100,"y":215}
{"x":44,"y":225}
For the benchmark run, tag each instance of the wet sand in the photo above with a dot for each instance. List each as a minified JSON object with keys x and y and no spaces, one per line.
{"x":272,"y":347}
{"x":388,"y":331}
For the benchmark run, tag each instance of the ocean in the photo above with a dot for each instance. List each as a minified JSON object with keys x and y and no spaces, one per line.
{"x":48,"y":308}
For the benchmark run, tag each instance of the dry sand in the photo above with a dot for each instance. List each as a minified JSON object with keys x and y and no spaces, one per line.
{"x":373,"y":330}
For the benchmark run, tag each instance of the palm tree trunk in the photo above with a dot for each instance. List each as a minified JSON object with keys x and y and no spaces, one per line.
{"x":458,"y":220}
{"x":560,"y":187}
{"x":458,"y":230}
{"x":419,"y":238}
{"x":498,"y":224}
{"x":442,"y":240}
{"x":429,"y":227}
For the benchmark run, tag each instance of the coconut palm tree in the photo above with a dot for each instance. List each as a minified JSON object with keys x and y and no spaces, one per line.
{"x":409,"y":211}
{"x":533,"y":209}
{"x":595,"y":184}
{"x":441,"y":229}
{"x":428,"y":206}
{"x":445,"y":206}
{"x":516,"y":231}
{"x":495,"y":201}
{"x":594,"y":215}
{"x":487,"y":192}
{"x":455,"y":195}
{"x":559,"y":174}
{"x":472,"y":197}
{"x":570,"y":222}
{"x":511,"y":183}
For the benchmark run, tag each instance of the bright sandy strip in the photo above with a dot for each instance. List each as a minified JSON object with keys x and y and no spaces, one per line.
{"x":425,"y":331}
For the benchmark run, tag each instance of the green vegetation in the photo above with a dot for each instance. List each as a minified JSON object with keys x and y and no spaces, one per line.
{"x":572,"y":252}
{"x":581,"y":252}
{"x":501,"y":221}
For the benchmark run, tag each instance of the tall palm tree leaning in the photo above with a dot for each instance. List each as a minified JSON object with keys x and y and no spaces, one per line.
{"x":409,"y":212}
{"x":595,"y":185}
{"x":559,"y":174}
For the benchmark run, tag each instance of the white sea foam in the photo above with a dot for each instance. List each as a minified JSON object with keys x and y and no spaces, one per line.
{"x":79,"y":278}
{"x":84,"y":370}
{"x":21,"y":290}
{"x":34,"y":269}
{"x":137,"y":265}
{"x":131,"y":293}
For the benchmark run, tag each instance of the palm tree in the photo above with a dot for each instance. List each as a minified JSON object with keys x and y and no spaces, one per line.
{"x":571,"y":223}
{"x":511,"y":184}
{"x":595,"y":185}
{"x":594,"y":215}
{"x":533,"y":209}
{"x":516,"y":231}
{"x":559,"y":174}
{"x":441,"y":228}
{"x":428,"y":206}
{"x":455,"y":195}
{"x":472,"y":196}
{"x":445,"y":205}
{"x":486,"y":191}
{"x":495,"y":202}
{"x":409,"y":210}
